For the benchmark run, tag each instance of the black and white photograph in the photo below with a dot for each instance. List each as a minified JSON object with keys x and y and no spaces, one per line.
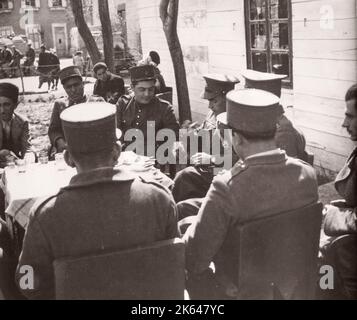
{"x":192,"y":152}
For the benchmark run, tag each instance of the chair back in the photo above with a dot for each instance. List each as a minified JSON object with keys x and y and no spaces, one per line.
{"x":276,"y":257}
{"x":154,"y":272}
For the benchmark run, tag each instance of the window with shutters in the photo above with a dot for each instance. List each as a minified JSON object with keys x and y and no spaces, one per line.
{"x":268,"y":34}
{"x":6,"y":31}
{"x":30,"y":4}
{"x":6,"y":5}
{"x":57,"y":4}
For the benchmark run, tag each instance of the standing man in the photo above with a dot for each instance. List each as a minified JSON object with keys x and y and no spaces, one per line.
{"x":194,"y":182}
{"x":341,"y":216}
{"x":109,"y":86}
{"x":15,"y":63}
{"x":72,"y":82}
{"x":263,"y":183}
{"x":102,"y":209}
{"x":14,"y":129}
{"x":135,"y":112}
{"x":29,"y":60}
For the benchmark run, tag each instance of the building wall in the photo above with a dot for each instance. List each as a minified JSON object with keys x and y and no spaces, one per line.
{"x":325,"y":66}
{"x":212,"y":35}
{"x":44,"y":16}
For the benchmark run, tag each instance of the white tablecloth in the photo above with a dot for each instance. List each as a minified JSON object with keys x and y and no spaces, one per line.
{"x":22,"y":190}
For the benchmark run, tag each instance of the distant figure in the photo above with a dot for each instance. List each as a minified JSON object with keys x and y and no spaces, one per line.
{"x":79,"y":62}
{"x":30,"y":57}
{"x":48,"y":67}
{"x":16,"y":59}
{"x":109,"y":86}
{"x":5,"y":60}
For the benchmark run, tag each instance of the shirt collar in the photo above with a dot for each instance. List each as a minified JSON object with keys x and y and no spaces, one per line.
{"x":100,"y":175}
{"x":271,"y":156}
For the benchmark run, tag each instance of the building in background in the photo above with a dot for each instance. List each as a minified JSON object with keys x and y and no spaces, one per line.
{"x":47,"y":21}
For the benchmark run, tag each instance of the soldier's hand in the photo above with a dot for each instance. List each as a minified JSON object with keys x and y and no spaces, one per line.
{"x":201,"y":159}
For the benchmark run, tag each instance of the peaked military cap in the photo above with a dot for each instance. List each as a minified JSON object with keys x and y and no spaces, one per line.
{"x":68,"y":73}
{"x":142,"y":73}
{"x":264,"y":81}
{"x":90,"y":127}
{"x":99,"y":65}
{"x":250,"y":111}
{"x":10,"y":91}
{"x":217,"y":84}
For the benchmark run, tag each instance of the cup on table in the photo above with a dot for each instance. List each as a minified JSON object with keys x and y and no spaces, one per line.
{"x":43,"y":157}
{"x":59,"y":160}
{"x":21,"y":165}
{"x":10,"y":164}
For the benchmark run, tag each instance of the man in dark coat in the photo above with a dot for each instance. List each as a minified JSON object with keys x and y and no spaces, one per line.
{"x":29,"y":60}
{"x":341,"y":216}
{"x":108,"y":86}
{"x":102,"y":209}
{"x":14,"y":128}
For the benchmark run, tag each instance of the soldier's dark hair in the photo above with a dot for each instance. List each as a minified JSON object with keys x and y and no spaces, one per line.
{"x":352,"y":94}
{"x":155,"y":57}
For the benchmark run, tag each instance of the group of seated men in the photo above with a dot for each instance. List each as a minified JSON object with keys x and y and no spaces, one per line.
{"x":107,"y":208}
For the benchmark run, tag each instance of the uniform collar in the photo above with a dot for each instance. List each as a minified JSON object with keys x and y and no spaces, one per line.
{"x":272,"y":156}
{"x":98,"y":176}
{"x":83,"y":100}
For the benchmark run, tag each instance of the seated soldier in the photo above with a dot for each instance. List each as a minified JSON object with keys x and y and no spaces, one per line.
{"x":263,"y":183}
{"x":71,"y":79}
{"x":14,"y":129}
{"x":101,"y":210}
{"x":136,"y":112}
{"x":109,"y":86}
{"x":194,"y":182}
{"x":8,"y":288}
{"x":341,"y":216}
{"x":287,"y":136}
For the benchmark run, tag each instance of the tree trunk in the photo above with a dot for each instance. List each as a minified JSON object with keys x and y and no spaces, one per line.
{"x":107,"y":34}
{"x":168,"y":15}
{"x":77,"y":8}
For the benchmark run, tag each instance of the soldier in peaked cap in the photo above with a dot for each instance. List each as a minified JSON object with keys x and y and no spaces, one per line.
{"x":71,"y":79}
{"x":288,"y":137}
{"x":88,"y":217}
{"x":134,"y":112}
{"x":241,"y":194}
{"x":194,"y":182}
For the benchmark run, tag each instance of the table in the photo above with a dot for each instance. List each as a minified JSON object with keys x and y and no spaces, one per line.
{"x":22,"y":190}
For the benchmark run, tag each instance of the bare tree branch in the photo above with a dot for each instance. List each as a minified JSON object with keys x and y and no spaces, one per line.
{"x":83,"y":29}
{"x":107,"y":33}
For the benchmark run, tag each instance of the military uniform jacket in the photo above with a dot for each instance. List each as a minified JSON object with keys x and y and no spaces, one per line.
{"x":111,"y":90}
{"x":30,"y":55}
{"x":290,"y":139}
{"x":264,"y":184}
{"x":19,"y":136}
{"x":101,"y":211}
{"x":131,"y":115}
{"x":55,"y":130}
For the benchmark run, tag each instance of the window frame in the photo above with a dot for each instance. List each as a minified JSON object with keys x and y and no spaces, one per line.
{"x":269,"y":51}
